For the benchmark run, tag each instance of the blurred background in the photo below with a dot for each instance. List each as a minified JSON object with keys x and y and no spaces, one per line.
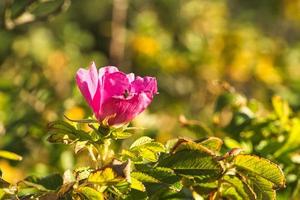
{"x":187,"y":44}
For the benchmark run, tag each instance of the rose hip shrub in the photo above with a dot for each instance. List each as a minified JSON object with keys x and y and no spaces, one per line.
{"x":179,"y":169}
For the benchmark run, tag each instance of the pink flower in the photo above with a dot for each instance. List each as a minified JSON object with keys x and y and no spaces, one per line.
{"x":114,"y":95}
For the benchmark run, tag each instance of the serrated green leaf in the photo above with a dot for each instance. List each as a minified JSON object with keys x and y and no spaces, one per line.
{"x":163,"y":175}
{"x":229,"y":192}
{"x":141,"y":141}
{"x":90,"y":193}
{"x":148,"y":155}
{"x":262,"y":188}
{"x":241,"y":190}
{"x":138,"y":185}
{"x":155,"y":147}
{"x":10,"y":155}
{"x":102,"y":176}
{"x":261,"y":167}
{"x":212,"y":143}
{"x":193,"y":163}
{"x":205,"y":188}
{"x":143,"y":177}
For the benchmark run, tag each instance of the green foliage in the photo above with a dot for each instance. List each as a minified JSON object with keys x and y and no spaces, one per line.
{"x":150,"y":170}
{"x":273,"y":134}
{"x":23,"y":12}
{"x":188,"y":165}
{"x":256,"y":166}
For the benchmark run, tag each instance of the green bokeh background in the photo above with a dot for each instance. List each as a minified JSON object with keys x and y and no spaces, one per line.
{"x":187,"y":44}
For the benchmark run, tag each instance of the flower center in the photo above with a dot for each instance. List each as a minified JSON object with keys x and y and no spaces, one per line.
{"x":126,"y":93}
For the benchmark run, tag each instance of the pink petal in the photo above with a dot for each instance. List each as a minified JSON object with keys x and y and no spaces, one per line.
{"x":146,"y":84}
{"x":88,"y":83}
{"x":125,"y":110}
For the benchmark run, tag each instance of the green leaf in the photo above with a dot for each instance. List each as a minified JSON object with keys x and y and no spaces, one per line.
{"x":231,"y":143}
{"x":148,"y":155}
{"x":10,"y":155}
{"x":141,"y":141}
{"x":229,"y":192}
{"x":260,"y":167}
{"x":136,"y":194}
{"x":144,"y":177}
{"x":119,"y":135}
{"x":121,"y":187}
{"x":262,"y":188}
{"x":63,"y":132}
{"x":163,"y":175}
{"x":155,"y":147}
{"x":206,"y":188}
{"x":102,"y":176}
{"x":189,"y":145}
{"x":212,"y":143}
{"x":46,"y":8}
{"x":50,"y":182}
{"x":61,"y":125}
{"x":90,"y":193}
{"x":233,"y":186}
{"x":18,"y":7}
{"x":136,"y":184}
{"x":144,"y":150}
{"x":194,"y":161}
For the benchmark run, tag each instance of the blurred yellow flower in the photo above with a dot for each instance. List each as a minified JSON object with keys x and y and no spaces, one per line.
{"x":266,"y":72}
{"x":10,"y":174}
{"x":241,"y":68}
{"x":145,"y":45}
{"x":75,"y":112}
